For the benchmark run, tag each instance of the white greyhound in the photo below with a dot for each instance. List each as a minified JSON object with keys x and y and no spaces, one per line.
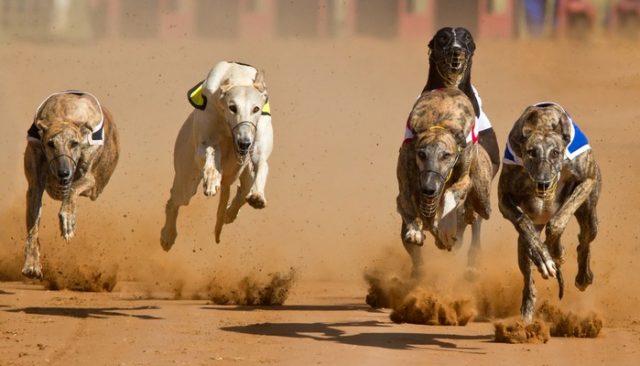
{"x":227,"y":136}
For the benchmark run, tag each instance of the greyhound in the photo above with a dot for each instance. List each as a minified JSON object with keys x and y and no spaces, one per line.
{"x":228,"y":136}
{"x":549,"y":174}
{"x":443,"y":175}
{"x":72,"y":150}
{"x":450,"y":59}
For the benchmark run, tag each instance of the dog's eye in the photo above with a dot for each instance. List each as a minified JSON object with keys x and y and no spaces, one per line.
{"x":256,"y":109}
{"x":51,"y":144}
{"x":422,"y":155}
{"x":532,"y":153}
{"x":445,"y":156}
{"x":555,"y":153}
{"x":233,"y":108}
{"x":74,"y":144}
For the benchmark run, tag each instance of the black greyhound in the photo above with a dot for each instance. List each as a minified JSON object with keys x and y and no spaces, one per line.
{"x":450,"y":59}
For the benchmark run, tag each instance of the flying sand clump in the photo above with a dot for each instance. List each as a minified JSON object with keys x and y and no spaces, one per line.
{"x":386,"y":291}
{"x":516,"y":331}
{"x":253,"y":291}
{"x":551,"y":321}
{"x":568,"y":324}
{"x":422,"y":307}
{"x":80,"y":278}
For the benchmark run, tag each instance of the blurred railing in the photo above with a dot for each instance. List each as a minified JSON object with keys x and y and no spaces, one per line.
{"x":71,"y":20}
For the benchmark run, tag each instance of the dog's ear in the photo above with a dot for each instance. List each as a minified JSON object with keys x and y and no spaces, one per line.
{"x":224,"y":87}
{"x":519,"y":133}
{"x":42,"y":127}
{"x":86,"y":129}
{"x":460,"y":137}
{"x":259,"y":82}
{"x":565,"y":127}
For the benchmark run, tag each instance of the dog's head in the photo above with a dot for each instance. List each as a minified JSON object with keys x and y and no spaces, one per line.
{"x":62,"y":142}
{"x":437,"y":152}
{"x":450,"y":51}
{"x":242,"y":107}
{"x":541,"y":136}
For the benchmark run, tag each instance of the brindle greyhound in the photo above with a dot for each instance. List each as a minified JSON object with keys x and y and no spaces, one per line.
{"x":443,"y":173}
{"x":72,"y":150}
{"x":450,"y":61}
{"x":549,"y":174}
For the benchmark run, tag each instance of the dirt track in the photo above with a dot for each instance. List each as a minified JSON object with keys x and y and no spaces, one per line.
{"x":339,"y":109}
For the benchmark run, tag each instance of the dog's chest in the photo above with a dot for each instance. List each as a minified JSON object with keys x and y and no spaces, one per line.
{"x":540,"y":210}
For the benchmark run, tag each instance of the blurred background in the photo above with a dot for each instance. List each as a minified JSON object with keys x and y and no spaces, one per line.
{"x":96,"y":19}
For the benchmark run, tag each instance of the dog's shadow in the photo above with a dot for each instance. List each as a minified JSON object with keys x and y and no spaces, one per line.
{"x":341,"y":307}
{"x":332,"y":332}
{"x":83,"y":313}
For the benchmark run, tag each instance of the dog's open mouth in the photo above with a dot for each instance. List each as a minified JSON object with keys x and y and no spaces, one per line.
{"x":546,"y":189}
{"x":457,"y":62}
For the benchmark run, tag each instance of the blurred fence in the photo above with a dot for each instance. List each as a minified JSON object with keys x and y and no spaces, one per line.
{"x":95,"y":19}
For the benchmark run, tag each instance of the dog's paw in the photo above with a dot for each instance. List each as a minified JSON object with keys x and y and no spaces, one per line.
{"x":256,"y":200}
{"x":584,"y":279}
{"x":32,"y":269}
{"x":167,"y":238}
{"x":541,"y":258}
{"x":413,"y":236}
{"x":471,"y":274}
{"x":211,"y":183}
{"x":67,"y":225}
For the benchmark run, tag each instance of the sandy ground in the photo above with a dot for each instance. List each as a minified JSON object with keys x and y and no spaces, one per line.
{"x":339,"y":109}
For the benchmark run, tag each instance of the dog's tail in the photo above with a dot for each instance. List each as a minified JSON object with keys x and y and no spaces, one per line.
{"x":560,"y":283}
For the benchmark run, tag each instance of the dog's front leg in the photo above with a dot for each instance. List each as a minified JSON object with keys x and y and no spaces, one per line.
{"x":537,"y":252}
{"x":210,"y":171}
{"x":448,"y":223}
{"x":67,"y":212}
{"x":411,"y":232}
{"x":256,"y":197}
{"x":32,"y":266}
{"x":559,"y":221}
{"x":264,"y":145}
{"x":35,"y":169}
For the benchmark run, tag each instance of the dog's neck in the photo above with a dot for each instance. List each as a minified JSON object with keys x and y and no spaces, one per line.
{"x":436,"y":81}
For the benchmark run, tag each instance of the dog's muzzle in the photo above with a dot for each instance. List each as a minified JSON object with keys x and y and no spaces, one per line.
{"x":244,"y":145}
{"x":63,"y":167}
{"x":547,"y":189}
{"x":429,"y":199}
{"x":453,"y":59}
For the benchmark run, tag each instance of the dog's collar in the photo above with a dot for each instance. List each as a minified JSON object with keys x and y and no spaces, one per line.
{"x":97,"y":132}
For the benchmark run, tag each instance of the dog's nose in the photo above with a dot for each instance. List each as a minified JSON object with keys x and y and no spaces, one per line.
{"x":429,"y":192}
{"x":244,"y":144}
{"x":64,"y":174}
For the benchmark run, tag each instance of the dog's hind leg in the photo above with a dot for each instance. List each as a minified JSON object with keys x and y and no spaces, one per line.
{"x":527,"y":308}
{"x":185,"y":186}
{"x":473,"y":255}
{"x":67,"y":214}
{"x":246,"y":180}
{"x":222,"y":208}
